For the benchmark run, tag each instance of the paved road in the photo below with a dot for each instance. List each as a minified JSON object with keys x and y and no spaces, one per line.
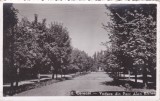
{"x":90,"y":82}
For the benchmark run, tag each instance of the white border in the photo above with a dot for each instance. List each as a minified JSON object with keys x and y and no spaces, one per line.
{"x":81,"y":98}
{"x":82,"y":1}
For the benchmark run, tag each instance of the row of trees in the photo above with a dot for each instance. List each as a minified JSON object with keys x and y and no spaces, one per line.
{"x":39,"y":47}
{"x":132,"y":45}
{"x":80,"y":61}
{"x":99,"y":60}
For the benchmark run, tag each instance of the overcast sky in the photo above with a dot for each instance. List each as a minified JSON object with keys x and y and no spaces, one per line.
{"x":84,"y":22}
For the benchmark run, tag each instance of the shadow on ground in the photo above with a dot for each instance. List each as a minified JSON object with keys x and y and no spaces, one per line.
{"x":122,"y":83}
{"x":150,"y":79}
{"x":8,"y":91}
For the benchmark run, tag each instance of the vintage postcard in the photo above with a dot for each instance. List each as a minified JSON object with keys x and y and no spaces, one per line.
{"x":80,"y":50}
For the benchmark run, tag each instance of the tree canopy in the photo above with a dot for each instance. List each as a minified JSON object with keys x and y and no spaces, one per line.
{"x":132,"y":33}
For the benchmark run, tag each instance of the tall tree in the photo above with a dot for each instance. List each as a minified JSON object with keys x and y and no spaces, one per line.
{"x":9,"y":22}
{"x":57,"y":44}
{"x":133,"y":37}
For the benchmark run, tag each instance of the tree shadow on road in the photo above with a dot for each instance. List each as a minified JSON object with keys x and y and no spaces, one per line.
{"x":122,"y":83}
{"x":8,"y":91}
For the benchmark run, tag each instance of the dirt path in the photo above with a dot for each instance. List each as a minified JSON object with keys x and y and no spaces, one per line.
{"x":90,"y":82}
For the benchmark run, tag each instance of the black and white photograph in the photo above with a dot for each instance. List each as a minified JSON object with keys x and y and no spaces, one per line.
{"x":79,"y":49}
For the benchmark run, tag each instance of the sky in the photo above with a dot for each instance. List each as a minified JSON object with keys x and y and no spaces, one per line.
{"x":83,"y":21}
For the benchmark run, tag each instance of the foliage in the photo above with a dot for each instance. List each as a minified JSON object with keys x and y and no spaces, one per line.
{"x":38,"y":48}
{"x":9,"y":22}
{"x":80,"y":61}
{"x":57,"y":46}
{"x":133,"y":36}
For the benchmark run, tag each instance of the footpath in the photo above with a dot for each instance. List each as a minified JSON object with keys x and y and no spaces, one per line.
{"x":45,"y":79}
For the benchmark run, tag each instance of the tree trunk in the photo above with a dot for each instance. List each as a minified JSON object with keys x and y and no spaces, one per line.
{"x":12,"y":84}
{"x":56,"y":75}
{"x":17,"y":76}
{"x":17,"y":80}
{"x":38,"y":76}
{"x":64,"y":72}
{"x":12,"y":77}
{"x":153,"y":75}
{"x":123,"y":73}
{"x":52,"y":75}
{"x":145,"y":77}
{"x":16,"y":83}
{"x":129,"y":75}
{"x":135,"y":76}
{"x":61,"y":75}
{"x":12,"y":59}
